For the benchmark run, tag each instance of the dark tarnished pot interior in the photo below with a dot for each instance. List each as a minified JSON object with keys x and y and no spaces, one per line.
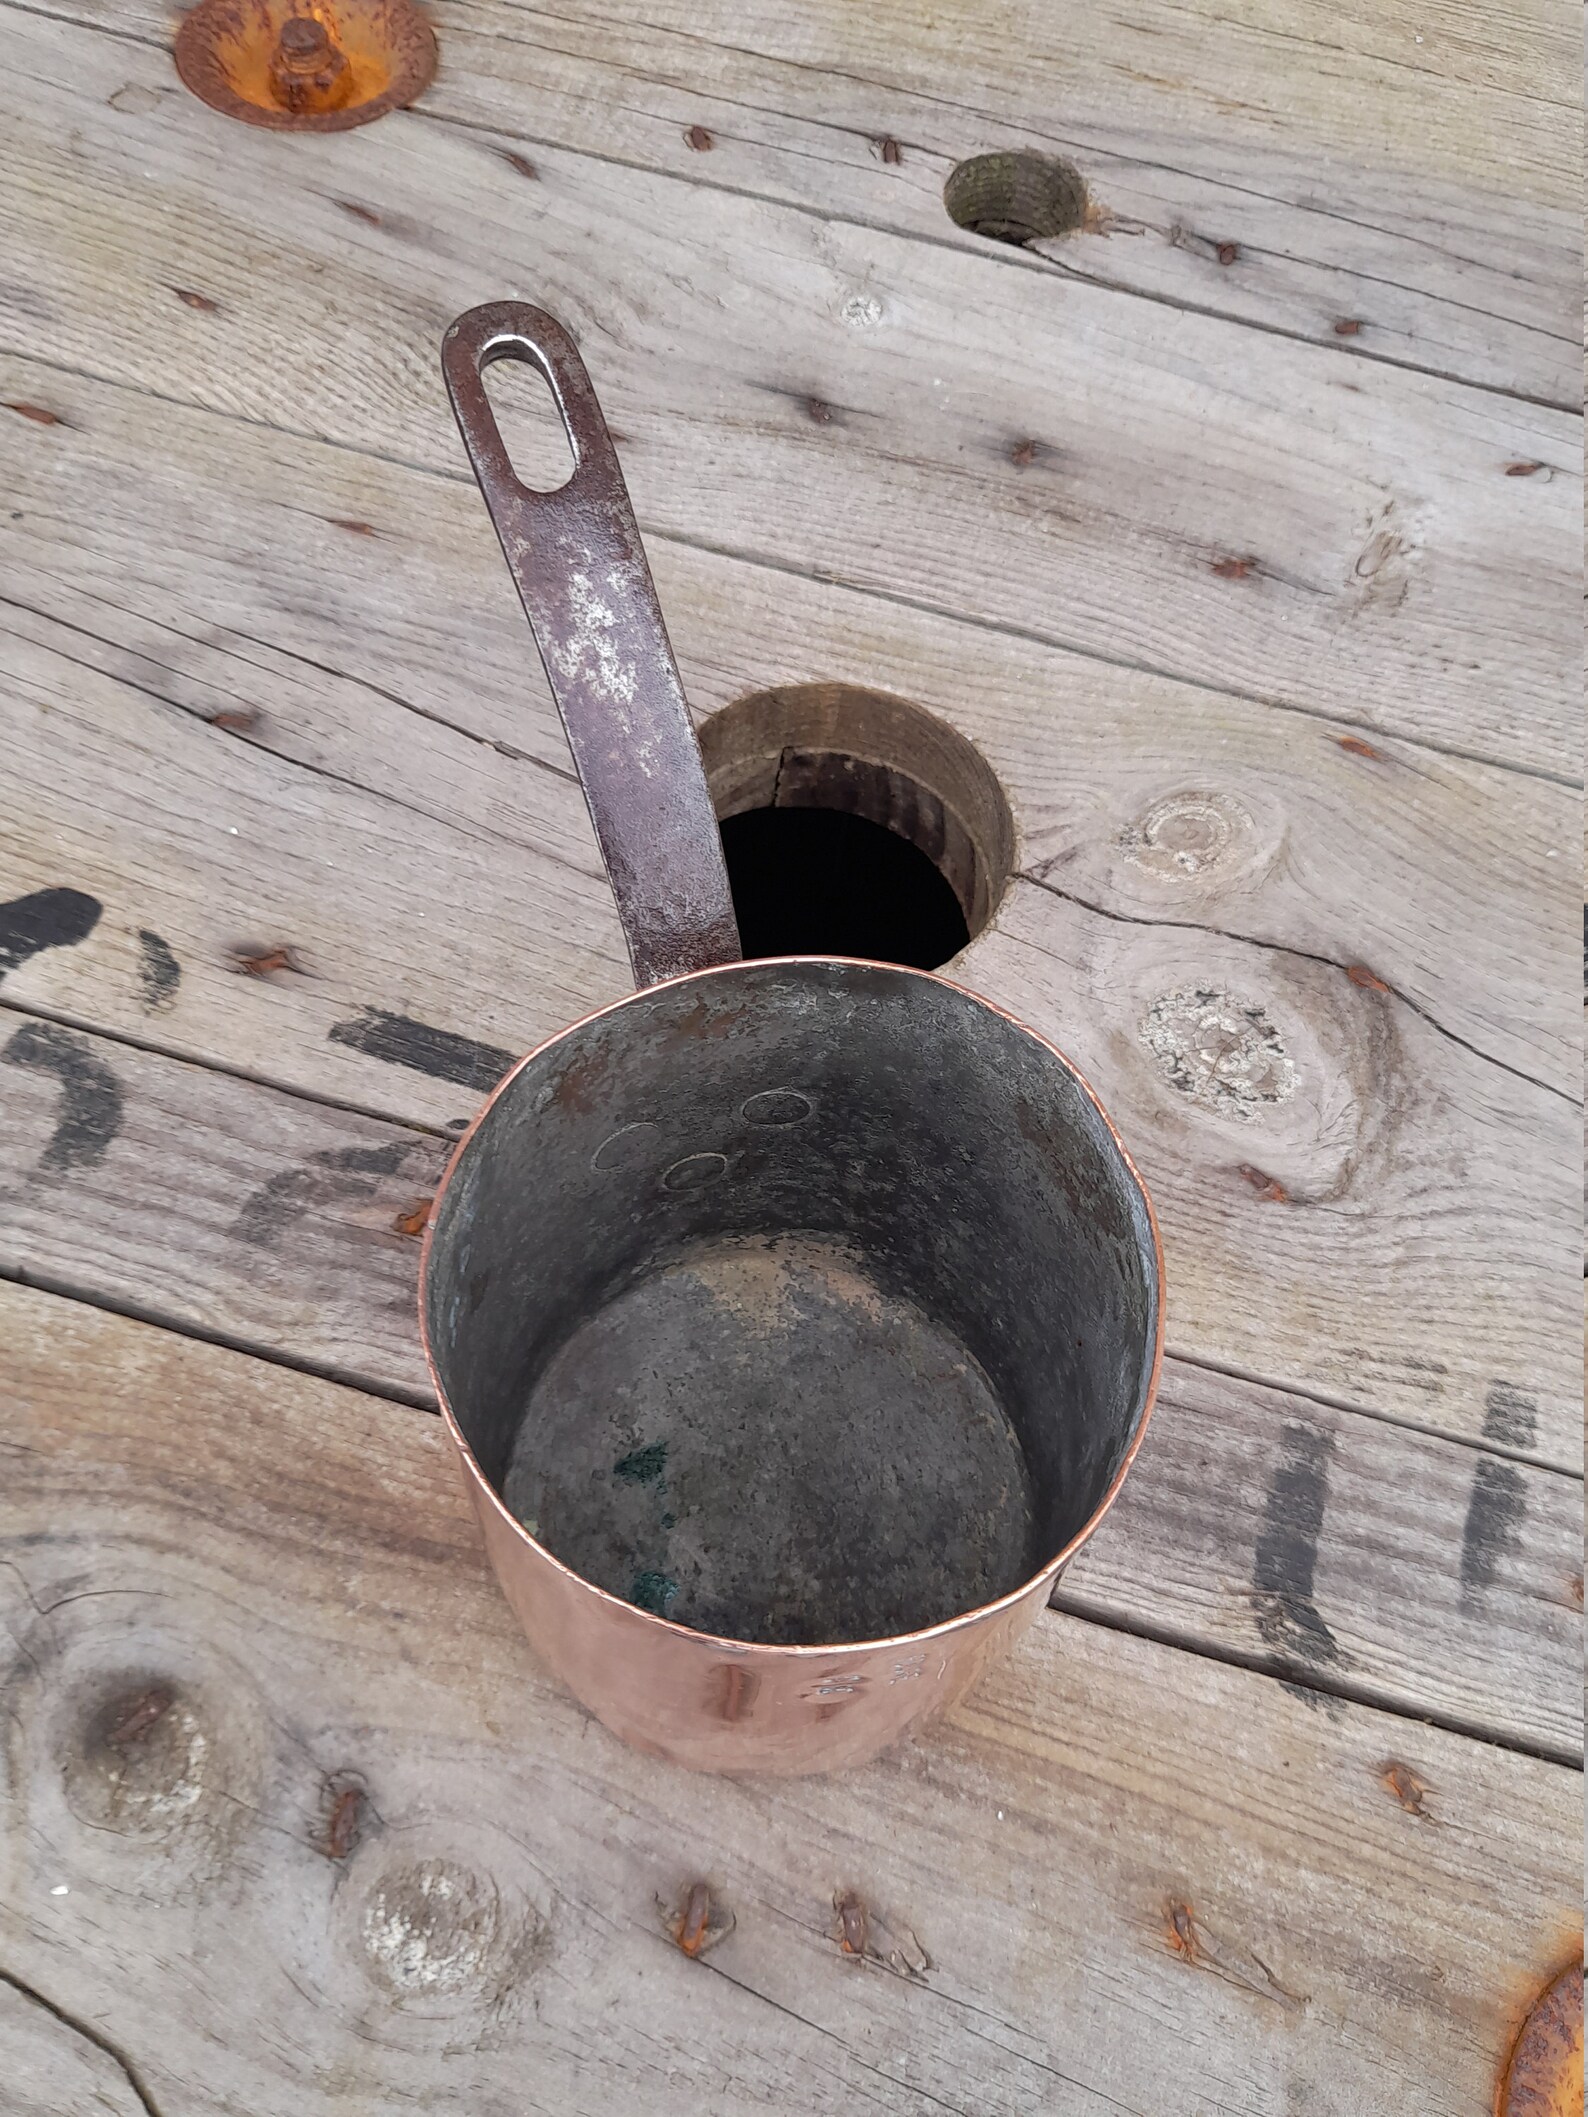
{"x":799,"y":1302}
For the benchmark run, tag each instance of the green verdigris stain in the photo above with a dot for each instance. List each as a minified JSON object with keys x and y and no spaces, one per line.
{"x":653,"y":1592}
{"x":644,"y":1466}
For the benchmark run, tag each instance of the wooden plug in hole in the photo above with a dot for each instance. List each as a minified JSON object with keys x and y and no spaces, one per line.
{"x":855,"y":824}
{"x":1020,"y":197}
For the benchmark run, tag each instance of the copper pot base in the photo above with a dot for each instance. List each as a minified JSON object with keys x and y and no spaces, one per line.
{"x":761,"y":1441}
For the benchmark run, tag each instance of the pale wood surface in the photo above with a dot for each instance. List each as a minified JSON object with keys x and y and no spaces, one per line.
{"x":1146,"y":1883}
{"x":1399,"y":577}
{"x":1136,"y":519}
{"x":1387,"y":1565}
{"x":1429,"y":1252}
{"x":1405,"y":168}
{"x":53,"y":2067}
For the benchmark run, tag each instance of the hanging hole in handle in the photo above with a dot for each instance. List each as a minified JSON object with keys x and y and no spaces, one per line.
{"x":531,"y":426}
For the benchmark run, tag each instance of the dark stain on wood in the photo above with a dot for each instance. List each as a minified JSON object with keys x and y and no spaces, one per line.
{"x":398,"y":1040}
{"x":133,"y":1717}
{"x":1510,"y":1416}
{"x":159,"y":972}
{"x":1492,"y":1532}
{"x":46,"y":918}
{"x":367,"y":214}
{"x":91,"y":1099}
{"x":1287,"y":1550}
{"x":333,"y":1172}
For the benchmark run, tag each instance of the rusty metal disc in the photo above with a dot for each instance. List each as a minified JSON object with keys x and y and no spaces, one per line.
{"x":306,"y":66}
{"x":1545,"y":2075}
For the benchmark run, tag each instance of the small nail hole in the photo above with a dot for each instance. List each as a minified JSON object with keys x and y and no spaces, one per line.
{"x":531,"y":426}
{"x":1017,"y":198}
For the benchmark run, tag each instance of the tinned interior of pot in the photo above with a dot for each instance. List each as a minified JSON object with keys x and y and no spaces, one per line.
{"x":798,"y":1302}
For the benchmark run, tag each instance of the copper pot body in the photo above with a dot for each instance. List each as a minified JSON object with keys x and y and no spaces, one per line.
{"x":796,"y":1320}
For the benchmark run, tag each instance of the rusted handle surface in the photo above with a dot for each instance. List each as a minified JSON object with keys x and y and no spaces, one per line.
{"x":580,"y":568}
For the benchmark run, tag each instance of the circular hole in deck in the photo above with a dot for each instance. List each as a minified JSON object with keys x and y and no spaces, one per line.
{"x":855,"y":824}
{"x":1018,"y":197}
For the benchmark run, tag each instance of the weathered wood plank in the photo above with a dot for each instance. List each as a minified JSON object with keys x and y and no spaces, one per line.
{"x":1389,"y":1565}
{"x":54,"y":2069}
{"x":230,"y":570}
{"x":1146,"y":1883}
{"x":1426,"y":1180}
{"x":1422,"y":1256}
{"x":1301,"y":172}
{"x":1230,"y":507}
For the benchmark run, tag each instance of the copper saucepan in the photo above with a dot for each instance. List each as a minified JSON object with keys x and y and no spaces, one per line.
{"x":795,"y":1320}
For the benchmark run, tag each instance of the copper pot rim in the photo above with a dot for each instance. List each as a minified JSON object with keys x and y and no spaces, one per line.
{"x":793,"y":1656}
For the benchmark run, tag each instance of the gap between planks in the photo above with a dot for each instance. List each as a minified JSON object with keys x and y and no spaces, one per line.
{"x":1001,"y":628}
{"x":359,"y":1378}
{"x":1078,"y":1606}
{"x":699,"y":175}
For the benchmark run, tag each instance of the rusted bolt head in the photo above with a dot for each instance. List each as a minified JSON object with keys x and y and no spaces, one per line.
{"x":305,"y":65}
{"x":307,"y":71}
{"x":1545,"y":2075}
{"x":303,"y":42}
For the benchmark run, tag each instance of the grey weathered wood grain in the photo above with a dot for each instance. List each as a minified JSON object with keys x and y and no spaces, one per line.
{"x":1388,"y":570}
{"x":52,"y":2069}
{"x":1424,"y":1252}
{"x":348,"y":604}
{"x":1301,"y":173}
{"x":1387,"y":1565}
{"x":1145,"y":1882}
{"x":1374,"y":1155}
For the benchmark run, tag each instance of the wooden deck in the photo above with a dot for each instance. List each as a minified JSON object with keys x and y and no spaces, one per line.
{"x":1256,"y":507}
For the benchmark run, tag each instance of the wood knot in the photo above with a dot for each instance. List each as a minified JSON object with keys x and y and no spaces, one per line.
{"x":1220,"y":1051}
{"x":1190,"y":833}
{"x":142,"y":1762}
{"x":432,"y":1929}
